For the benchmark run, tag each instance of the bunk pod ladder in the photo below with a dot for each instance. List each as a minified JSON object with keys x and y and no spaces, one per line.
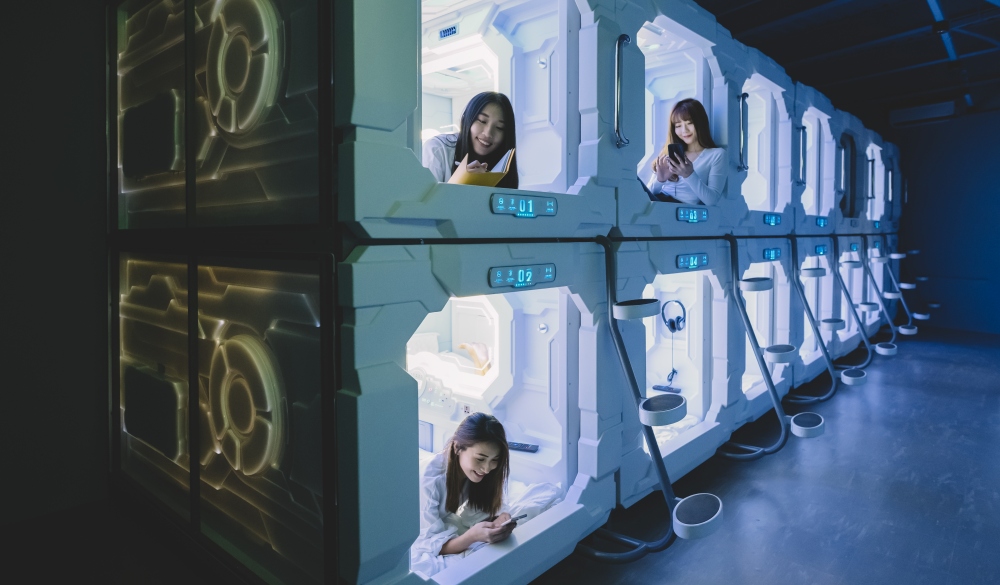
{"x":696,"y":516}
{"x":797,"y":285}
{"x":852,"y":375}
{"x":804,"y":424}
{"x":886,"y":347}
{"x":909,"y":328}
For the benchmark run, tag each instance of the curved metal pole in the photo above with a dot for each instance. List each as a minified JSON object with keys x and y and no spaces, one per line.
{"x":797,"y":285}
{"x":623,"y":40}
{"x":854,"y":311}
{"x":753,"y":452}
{"x":906,"y":309}
{"x":641,"y":547}
{"x":878,"y":293}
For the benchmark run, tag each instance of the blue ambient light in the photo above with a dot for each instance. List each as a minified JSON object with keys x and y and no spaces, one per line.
{"x":877,"y":224}
{"x":822,"y":222}
{"x":854,"y":247}
{"x":521,"y":276}
{"x":772,"y":218}
{"x":689,"y":215}
{"x":821,"y":250}
{"x":772,"y":253}
{"x":522,"y":205}
{"x":878,"y":245}
{"x":689,"y":261}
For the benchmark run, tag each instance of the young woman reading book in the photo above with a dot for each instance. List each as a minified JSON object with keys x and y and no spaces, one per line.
{"x":487,"y":134}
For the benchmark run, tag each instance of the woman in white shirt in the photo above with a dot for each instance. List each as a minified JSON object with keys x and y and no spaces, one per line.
{"x":487,"y":133}
{"x":700,"y":176}
{"x":461,"y":493}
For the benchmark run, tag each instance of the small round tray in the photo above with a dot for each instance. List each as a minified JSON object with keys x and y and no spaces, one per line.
{"x":813,"y":272}
{"x":907,"y":285}
{"x":867,"y":307}
{"x":897,"y":255}
{"x":832,"y":324}
{"x":853,"y":377}
{"x":636,"y":309}
{"x":756,"y":284}
{"x":908,"y":329}
{"x":879,"y":259}
{"x":664,"y":409}
{"x":851,"y":264}
{"x":697,"y":516}
{"x":922,"y":316}
{"x":807,"y":425}
{"x":892,"y":295}
{"x":780,"y":354}
{"x":886,"y":348}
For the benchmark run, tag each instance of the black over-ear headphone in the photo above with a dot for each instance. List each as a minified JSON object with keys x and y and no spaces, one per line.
{"x":674,"y":324}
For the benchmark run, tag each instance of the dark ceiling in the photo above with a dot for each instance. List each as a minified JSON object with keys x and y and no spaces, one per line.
{"x":890,"y":62}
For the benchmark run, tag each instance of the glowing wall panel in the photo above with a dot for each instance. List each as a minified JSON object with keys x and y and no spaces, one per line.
{"x":259,"y":405}
{"x":255,"y":110}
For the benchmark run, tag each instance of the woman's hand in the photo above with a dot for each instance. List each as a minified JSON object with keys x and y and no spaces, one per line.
{"x":490,"y":532}
{"x":476,"y":167}
{"x":682,"y":169}
{"x":664,"y":174}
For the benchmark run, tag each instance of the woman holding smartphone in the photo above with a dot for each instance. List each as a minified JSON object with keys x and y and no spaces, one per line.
{"x":462,"y":493}
{"x":487,"y":134}
{"x":691,"y":168}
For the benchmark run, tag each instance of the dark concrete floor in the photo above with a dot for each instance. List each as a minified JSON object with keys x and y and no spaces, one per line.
{"x":904,"y":487}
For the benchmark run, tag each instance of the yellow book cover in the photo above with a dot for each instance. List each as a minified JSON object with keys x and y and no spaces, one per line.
{"x":487,"y":179}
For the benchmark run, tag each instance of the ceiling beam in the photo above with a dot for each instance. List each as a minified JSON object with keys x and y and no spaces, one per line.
{"x":937,"y":90}
{"x":956,"y":24}
{"x":830,"y":4}
{"x":838,"y":82}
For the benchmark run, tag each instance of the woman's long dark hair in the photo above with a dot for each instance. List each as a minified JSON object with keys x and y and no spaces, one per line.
{"x":464,"y":145}
{"x":487,"y":495}
{"x":692,"y":110}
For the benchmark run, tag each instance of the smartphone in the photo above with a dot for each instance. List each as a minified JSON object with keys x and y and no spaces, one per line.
{"x":676,"y":151}
{"x":513,"y":519}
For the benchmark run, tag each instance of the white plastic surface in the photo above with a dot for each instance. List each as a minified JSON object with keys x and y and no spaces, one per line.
{"x":867,"y":307}
{"x":756,"y":284}
{"x":851,"y":264}
{"x":908,"y":329}
{"x":832,"y":324}
{"x":892,"y":295}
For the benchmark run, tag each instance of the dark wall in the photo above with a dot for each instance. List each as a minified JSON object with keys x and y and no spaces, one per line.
{"x":953,"y":218}
{"x":52,"y":226}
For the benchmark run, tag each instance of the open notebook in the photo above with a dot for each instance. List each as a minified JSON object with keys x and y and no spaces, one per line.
{"x":487,"y":179}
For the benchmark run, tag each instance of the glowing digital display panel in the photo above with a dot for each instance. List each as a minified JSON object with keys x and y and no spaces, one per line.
{"x":821,"y":250}
{"x":690,"y":261}
{"x":772,"y":218}
{"x":521,"y":276}
{"x":772,"y":253}
{"x":878,"y":224}
{"x":854,"y":247}
{"x":822,"y":222}
{"x":523,"y":206}
{"x":692,"y":215}
{"x":255,"y":113}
